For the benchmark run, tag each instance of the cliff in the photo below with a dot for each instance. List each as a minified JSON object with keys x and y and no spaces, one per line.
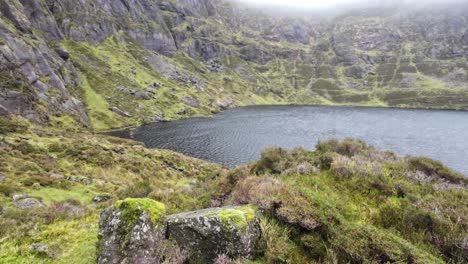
{"x":110,"y":64}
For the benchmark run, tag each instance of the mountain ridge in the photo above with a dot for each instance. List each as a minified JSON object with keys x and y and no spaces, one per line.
{"x":127,"y":62}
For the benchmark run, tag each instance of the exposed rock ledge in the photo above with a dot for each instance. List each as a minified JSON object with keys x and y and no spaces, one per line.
{"x":138,"y":231}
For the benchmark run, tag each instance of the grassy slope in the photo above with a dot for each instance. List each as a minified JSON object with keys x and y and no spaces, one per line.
{"x":119,"y":62}
{"x":68,"y":223}
{"x":345,"y":202}
{"x":368,"y":207}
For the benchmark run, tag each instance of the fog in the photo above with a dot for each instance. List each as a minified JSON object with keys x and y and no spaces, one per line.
{"x":339,"y":4}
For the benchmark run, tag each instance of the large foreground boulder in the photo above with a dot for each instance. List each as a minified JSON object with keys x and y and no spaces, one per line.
{"x":233,"y":231}
{"x":130,"y":231}
{"x":137,"y":231}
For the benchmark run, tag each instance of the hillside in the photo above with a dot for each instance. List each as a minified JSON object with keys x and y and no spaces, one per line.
{"x":109,"y":64}
{"x":344,"y":203}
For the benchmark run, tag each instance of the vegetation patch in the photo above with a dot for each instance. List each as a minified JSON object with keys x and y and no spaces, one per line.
{"x":132,"y":208}
{"x":239,"y":216}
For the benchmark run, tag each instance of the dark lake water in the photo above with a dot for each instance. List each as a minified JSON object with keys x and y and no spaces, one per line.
{"x":237,"y":136}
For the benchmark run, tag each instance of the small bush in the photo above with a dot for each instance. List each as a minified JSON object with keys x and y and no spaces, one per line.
{"x":43,"y":181}
{"x":137,"y":190}
{"x":56,"y":147}
{"x":273,"y":160}
{"x":342,"y":166}
{"x":348,"y":147}
{"x":7,"y":190}
{"x":433,"y":167}
{"x":12,"y":126}
{"x":325,"y":160}
{"x":277,"y":197}
{"x":26,"y":148}
{"x":68,"y":209}
{"x":315,"y":245}
{"x":358,"y":165}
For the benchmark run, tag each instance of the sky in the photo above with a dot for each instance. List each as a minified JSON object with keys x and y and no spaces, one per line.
{"x":324,"y":4}
{"x":302,"y":3}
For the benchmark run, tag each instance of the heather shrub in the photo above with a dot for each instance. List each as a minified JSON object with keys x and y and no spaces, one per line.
{"x":342,"y":166}
{"x":7,"y":190}
{"x":57,"y":147}
{"x":348,"y":147}
{"x":222,"y":259}
{"x":435,"y":168}
{"x":26,"y":148}
{"x":137,"y":190}
{"x":325,"y":160}
{"x":346,"y":167}
{"x":283,"y":201}
{"x":12,"y":126}
{"x":67,"y":209}
{"x":273,"y":160}
{"x":42,"y":180}
{"x":305,"y":168}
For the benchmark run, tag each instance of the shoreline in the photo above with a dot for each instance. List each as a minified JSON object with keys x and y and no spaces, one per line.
{"x":128,"y":128}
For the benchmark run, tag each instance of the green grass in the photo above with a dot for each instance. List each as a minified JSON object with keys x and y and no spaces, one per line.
{"x":77,"y":192}
{"x":98,"y":110}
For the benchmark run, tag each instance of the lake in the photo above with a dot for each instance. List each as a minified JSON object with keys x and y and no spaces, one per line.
{"x":237,"y":136}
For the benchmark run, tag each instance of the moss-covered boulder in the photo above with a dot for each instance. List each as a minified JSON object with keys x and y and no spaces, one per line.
{"x":206,"y":234}
{"x":131,"y":231}
{"x":138,"y":231}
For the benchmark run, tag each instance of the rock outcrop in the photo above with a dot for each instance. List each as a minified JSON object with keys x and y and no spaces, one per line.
{"x":131,"y":231}
{"x":27,"y":203}
{"x":208,"y":233}
{"x":72,"y":58}
{"x":138,"y":231}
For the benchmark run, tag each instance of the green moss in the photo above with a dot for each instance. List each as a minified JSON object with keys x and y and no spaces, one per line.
{"x":78,"y":192}
{"x":240,"y":216}
{"x":133,"y":207}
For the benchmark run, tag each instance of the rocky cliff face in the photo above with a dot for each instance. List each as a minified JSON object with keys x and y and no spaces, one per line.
{"x":117,"y":63}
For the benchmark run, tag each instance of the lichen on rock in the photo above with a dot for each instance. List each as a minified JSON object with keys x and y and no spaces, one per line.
{"x":207,"y":233}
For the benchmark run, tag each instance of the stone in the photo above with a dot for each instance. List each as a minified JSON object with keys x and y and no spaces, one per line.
{"x":142,"y":96}
{"x":234,"y":231}
{"x":191,"y":101}
{"x":80,"y":179}
{"x":39,"y":248}
{"x":225,"y":104}
{"x":19,"y":196}
{"x":28,"y":203}
{"x":102,"y":198}
{"x":130,"y":232}
{"x":56,"y":176}
{"x":154,"y":119}
{"x":120,"y":112}
{"x":150,"y":91}
{"x":63,"y":53}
